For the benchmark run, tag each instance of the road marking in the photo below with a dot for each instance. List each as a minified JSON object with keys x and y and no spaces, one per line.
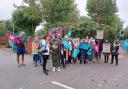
{"x":62,"y":85}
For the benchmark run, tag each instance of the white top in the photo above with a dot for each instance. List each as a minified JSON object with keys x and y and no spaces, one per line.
{"x":48,"y":49}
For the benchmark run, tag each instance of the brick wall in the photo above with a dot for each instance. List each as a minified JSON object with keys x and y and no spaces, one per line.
{"x":3,"y":41}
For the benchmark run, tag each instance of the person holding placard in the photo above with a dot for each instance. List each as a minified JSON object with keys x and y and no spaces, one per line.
{"x":43,"y":51}
{"x":35,"y":46}
{"x":106,"y":51}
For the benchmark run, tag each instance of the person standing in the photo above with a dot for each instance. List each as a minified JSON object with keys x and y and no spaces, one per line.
{"x":44,"y":51}
{"x":56,"y":50}
{"x":114,"y":52}
{"x":106,"y":54}
{"x":35,"y":45}
{"x":20,"y":49}
{"x":96,"y":50}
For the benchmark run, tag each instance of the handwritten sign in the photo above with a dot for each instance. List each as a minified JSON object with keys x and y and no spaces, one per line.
{"x":106,"y":48}
{"x":100,"y":34}
{"x":35,"y":47}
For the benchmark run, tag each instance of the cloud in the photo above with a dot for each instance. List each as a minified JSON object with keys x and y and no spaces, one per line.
{"x":6,"y":8}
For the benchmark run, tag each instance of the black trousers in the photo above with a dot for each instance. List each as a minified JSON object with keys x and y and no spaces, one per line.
{"x":45,"y":58}
{"x":116,"y":58}
{"x":106,"y":57}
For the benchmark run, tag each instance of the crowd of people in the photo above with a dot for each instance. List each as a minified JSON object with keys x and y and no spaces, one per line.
{"x":84,"y":50}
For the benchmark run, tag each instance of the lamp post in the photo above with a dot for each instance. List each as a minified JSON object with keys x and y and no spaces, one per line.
{"x":13,"y":28}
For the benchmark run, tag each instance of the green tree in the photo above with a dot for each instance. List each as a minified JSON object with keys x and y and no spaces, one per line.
{"x":2,"y":28}
{"x":126,"y":32}
{"x":27,"y":18}
{"x":102,"y":11}
{"x":59,"y":13}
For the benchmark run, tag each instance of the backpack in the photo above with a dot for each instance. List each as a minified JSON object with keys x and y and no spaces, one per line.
{"x":55,"y":46}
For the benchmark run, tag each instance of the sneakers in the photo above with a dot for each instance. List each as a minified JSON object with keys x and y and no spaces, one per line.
{"x":45,"y":72}
{"x":23,"y":64}
{"x":58,"y":69}
{"x":19,"y":65}
{"x":54,"y":69}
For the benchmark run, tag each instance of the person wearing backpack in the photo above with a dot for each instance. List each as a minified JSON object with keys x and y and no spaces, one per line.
{"x":55,"y":51}
{"x":20,"y":49}
{"x":44,"y":52}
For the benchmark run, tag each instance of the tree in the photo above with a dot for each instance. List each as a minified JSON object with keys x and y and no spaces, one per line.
{"x":27,"y":18}
{"x":102,"y":11}
{"x":2,"y":28}
{"x":126,"y":32}
{"x":58,"y":10}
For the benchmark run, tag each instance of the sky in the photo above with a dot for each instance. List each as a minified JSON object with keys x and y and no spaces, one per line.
{"x":6,"y":9}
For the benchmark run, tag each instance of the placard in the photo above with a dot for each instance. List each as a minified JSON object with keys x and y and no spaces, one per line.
{"x":100,"y":34}
{"x":35,"y":46}
{"x":106,"y":48}
{"x":75,"y":52}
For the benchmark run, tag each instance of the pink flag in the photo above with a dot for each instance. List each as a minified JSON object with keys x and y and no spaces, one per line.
{"x":13,"y":38}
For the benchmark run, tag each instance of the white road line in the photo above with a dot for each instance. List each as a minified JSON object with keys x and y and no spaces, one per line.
{"x":62,"y":85}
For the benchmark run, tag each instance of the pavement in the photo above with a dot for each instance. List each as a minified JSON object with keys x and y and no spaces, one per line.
{"x":76,"y":76}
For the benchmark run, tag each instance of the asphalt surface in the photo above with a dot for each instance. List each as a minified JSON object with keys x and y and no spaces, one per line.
{"x":76,"y":76}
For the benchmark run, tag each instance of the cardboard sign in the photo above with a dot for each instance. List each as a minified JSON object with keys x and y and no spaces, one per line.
{"x":106,"y":48}
{"x":100,"y":34}
{"x":35,"y":47}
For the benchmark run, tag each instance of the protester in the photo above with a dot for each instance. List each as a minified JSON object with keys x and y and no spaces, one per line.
{"x":114,"y":52}
{"x":76,"y":43}
{"x":21,"y":49}
{"x":90,"y":55}
{"x":36,"y":56}
{"x":96,"y":50}
{"x":55,"y":48}
{"x":106,"y":54}
{"x":44,"y":51}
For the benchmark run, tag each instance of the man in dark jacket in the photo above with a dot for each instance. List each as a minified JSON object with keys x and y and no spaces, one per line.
{"x":114,"y":52}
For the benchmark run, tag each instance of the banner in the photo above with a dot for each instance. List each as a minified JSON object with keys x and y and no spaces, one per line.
{"x":66,"y":44}
{"x":75,"y":52}
{"x":100,"y":34}
{"x":13,"y":38}
{"x":84,"y":45}
{"x":54,"y":31}
{"x":106,"y":47}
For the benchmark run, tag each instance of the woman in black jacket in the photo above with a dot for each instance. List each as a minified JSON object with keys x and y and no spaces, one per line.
{"x":114,"y":52}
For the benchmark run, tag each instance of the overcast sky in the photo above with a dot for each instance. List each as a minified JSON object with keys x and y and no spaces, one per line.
{"x":6,"y":8}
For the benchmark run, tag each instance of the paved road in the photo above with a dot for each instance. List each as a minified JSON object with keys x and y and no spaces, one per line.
{"x":76,"y":76}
